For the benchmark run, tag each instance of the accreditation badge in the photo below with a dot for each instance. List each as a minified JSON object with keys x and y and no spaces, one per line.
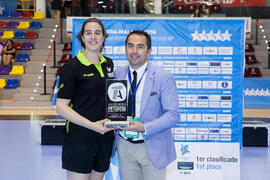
{"x":132,"y":134}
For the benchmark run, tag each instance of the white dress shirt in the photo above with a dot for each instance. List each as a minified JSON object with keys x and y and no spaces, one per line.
{"x":138,"y":97}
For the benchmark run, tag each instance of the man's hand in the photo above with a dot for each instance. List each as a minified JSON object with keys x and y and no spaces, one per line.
{"x":135,"y":126}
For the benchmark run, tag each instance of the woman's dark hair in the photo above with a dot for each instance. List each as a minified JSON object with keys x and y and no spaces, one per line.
{"x":199,"y":11}
{"x":80,"y":34}
{"x":143,"y":33}
{"x":12,"y":43}
{"x":208,"y":8}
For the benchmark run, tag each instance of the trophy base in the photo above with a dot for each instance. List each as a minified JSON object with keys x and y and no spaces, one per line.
{"x":117,"y":124}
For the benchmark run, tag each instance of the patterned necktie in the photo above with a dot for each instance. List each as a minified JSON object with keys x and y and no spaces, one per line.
{"x":131,"y":101}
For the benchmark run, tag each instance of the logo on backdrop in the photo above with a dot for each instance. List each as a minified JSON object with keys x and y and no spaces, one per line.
{"x":211,"y":36}
{"x":184,"y":149}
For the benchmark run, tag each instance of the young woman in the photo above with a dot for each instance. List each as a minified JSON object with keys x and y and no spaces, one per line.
{"x":196,"y":13}
{"x":87,"y":145}
{"x":9,"y":52}
{"x":207,"y":12}
{"x":56,"y":6}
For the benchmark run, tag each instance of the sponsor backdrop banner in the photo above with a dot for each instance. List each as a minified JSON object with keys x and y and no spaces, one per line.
{"x":206,"y":57}
{"x":257,"y":92}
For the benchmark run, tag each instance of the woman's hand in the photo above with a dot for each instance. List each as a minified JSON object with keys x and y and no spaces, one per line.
{"x":100,"y":128}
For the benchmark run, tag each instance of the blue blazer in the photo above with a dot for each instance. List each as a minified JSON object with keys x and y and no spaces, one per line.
{"x":159,"y":112}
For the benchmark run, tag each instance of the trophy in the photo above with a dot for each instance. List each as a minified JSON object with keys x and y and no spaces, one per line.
{"x":116,"y":103}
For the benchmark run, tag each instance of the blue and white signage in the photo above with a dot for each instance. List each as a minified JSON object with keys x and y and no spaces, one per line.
{"x":211,"y":161}
{"x":206,"y":57}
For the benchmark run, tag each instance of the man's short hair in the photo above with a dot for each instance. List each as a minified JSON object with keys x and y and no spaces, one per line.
{"x":143,"y":33}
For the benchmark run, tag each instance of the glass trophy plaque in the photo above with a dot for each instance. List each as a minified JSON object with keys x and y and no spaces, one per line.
{"x":116,"y":103}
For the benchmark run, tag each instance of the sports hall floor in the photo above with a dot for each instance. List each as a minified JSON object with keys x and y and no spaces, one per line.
{"x":23,"y":158}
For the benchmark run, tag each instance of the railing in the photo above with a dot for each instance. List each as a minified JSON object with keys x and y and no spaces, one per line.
{"x":52,"y":48}
{"x":260,"y":27}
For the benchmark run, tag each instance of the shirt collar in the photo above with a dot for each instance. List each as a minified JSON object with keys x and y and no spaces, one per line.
{"x":85,"y":61}
{"x":139,"y":71}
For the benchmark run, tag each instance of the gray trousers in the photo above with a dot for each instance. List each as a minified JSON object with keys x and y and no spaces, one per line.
{"x":135,"y":163}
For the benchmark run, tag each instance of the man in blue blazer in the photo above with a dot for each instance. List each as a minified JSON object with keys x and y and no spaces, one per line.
{"x":146,"y":148}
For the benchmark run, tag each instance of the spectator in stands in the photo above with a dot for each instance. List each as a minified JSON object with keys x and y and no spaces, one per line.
{"x":56,"y":6}
{"x":9,"y":53}
{"x":122,"y":5}
{"x":85,"y":8}
{"x":207,"y":12}
{"x":132,"y":6}
{"x":149,"y":8}
{"x":67,"y":6}
{"x":196,"y":12}
{"x":87,"y":145}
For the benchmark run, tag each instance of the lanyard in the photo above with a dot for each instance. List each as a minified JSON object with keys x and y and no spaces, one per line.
{"x":132,"y":94}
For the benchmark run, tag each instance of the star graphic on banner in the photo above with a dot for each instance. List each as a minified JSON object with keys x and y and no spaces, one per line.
{"x":226,"y":36}
{"x":256,"y":93}
{"x":203,"y":36}
{"x":218,"y":36}
{"x":267,"y":92}
{"x":246,"y":92}
{"x":1,"y":10}
{"x":211,"y":36}
{"x":196,"y":36}
{"x":252,"y":92}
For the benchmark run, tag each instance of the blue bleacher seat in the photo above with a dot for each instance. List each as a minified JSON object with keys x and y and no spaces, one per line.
{"x":6,"y":15}
{"x":22,"y":58}
{"x":4,"y":70}
{"x":27,"y":46}
{"x":13,"y":24}
{"x":19,"y":35}
{"x":35,"y":25}
{"x":12,"y":84}
{"x":16,"y":15}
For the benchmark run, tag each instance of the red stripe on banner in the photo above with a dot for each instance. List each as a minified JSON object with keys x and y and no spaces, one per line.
{"x":227,"y":3}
